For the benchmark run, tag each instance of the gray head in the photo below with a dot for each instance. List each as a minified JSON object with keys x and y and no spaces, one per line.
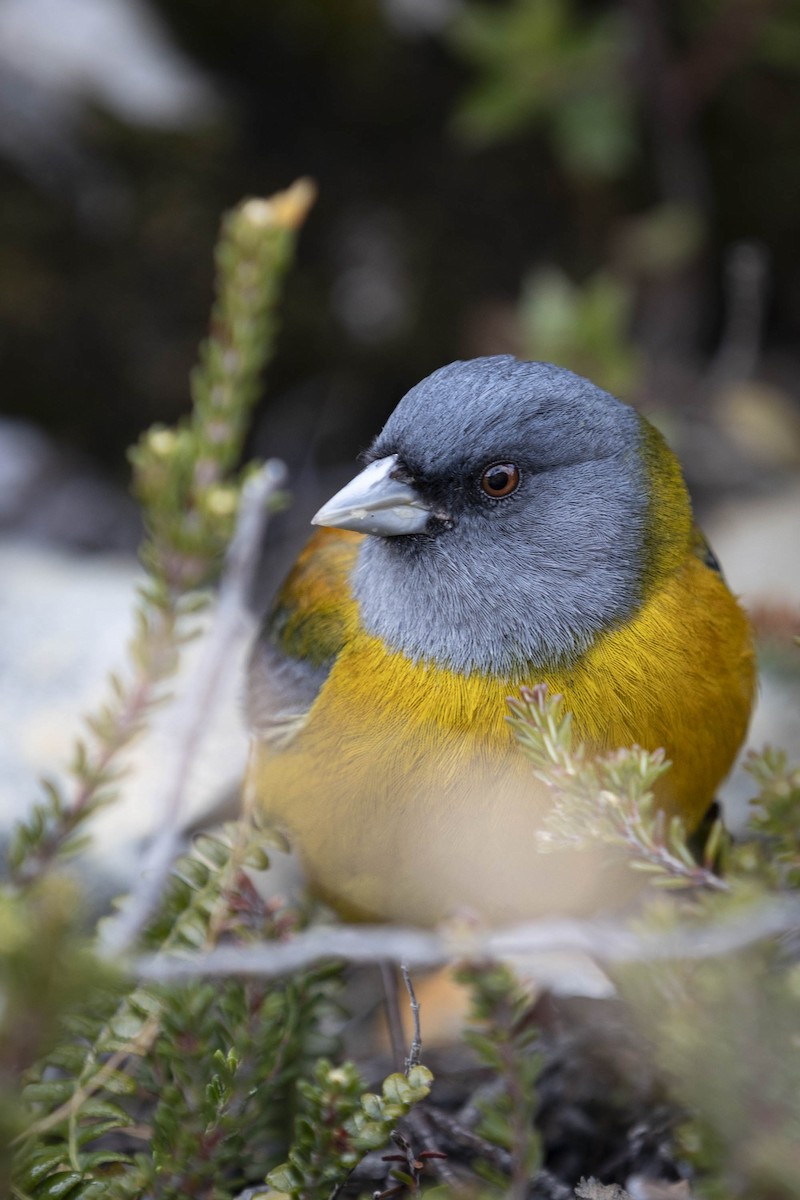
{"x":507,"y":504}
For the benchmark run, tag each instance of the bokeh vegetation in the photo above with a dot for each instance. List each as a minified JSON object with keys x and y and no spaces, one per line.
{"x":601,"y":161}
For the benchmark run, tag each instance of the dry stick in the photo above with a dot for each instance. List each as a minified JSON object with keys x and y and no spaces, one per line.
{"x":418,"y":1121}
{"x":467,"y":1139}
{"x":393,"y":1018}
{"x":197,"y":706}
{"x":415,"y":1051}
{"x":604,"y":941}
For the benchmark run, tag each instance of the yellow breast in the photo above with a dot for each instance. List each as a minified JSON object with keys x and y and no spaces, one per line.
{"x":408,"y":800}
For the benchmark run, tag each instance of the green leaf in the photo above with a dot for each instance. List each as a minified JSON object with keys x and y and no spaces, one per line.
{"x":285,"y":1179}
{"x":59,"y":1186}
{"x":43,"y":1162}
{"x":104,"y":1158}
{"x":370,"y":1135}
{"x":372,"y":1105}
{"x":50,"y":1092}
{"x":98,"y":1108}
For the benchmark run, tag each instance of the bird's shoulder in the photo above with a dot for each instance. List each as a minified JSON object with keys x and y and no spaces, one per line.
{"x":311,"y":619}
{"x":701,"y":549}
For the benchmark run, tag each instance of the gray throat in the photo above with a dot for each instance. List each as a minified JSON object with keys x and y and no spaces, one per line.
{"x":517,"y":605}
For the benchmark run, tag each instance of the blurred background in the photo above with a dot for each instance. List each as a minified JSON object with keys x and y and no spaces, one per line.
{"x":610,"y":184}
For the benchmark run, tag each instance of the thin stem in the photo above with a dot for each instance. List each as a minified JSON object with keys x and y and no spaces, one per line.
{"x":605,"y":941}
{"x":198,"y":704}
{"x":394,"y":1021}
{"x":415,"y":1050}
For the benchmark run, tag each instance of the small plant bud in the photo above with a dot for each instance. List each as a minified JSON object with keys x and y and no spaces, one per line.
{"x":222,"y":501}
{"x":163,"y":442}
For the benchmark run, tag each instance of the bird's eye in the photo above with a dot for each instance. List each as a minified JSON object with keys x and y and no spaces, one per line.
{"x":500,"y":479}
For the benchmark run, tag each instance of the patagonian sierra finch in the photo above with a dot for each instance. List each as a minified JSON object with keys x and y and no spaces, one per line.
{"x":513,"y":524}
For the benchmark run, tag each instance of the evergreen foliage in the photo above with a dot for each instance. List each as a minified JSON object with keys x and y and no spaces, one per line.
{"x":338,"y":1123}
{"x":722,"y":1028}
{"x":503,"y":1037}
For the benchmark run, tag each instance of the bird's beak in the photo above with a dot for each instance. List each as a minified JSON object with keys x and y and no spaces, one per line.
{"x":373,"y":502}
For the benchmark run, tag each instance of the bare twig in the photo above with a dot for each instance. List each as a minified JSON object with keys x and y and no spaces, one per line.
{"x":415,"y":1049}
{"x":605,"y":941}
{"x":197,"y":705}
{"x":467,"y":1139}
{"x":432,"y":1155}
{"x":394,"y":1021}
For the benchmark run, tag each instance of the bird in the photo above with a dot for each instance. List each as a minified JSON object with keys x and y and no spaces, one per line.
{"x":512,"y":524}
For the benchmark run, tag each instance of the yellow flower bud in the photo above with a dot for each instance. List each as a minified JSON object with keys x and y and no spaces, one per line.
{"x":162,"y":442}
{"x":222,"y":501}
